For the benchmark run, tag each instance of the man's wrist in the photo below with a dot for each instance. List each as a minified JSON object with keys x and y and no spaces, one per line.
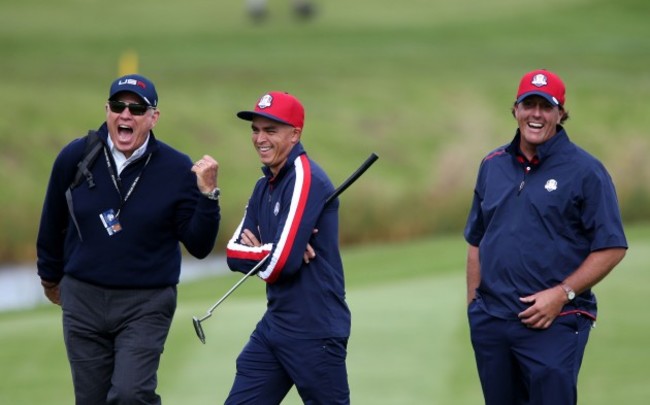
{"x":214,"y":194}
{"x":568,"y":291}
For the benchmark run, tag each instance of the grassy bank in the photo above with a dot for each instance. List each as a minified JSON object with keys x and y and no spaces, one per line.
{"x":426,"y":85}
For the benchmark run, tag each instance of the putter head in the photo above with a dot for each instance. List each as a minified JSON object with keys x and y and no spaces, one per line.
{"x":198,"y":329}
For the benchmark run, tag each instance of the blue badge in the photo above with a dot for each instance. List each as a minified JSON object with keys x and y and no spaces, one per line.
{"x":110,"y":221}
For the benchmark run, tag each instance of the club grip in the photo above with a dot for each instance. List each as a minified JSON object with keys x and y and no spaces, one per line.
{"x":353,"y":177}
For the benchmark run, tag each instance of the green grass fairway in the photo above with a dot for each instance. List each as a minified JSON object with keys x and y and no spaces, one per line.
{"x":409,"y":343}
{"x":427,"y":85}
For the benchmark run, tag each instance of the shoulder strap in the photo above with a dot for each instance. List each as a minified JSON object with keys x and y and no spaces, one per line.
{"x":91,"y":150}
{"x":93,"y":146}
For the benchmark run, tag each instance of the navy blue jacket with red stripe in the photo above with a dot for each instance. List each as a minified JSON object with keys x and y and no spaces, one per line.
{"x":305,"y":300}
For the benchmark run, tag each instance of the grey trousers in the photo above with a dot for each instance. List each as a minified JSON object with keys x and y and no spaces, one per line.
{"x":114,"y":340}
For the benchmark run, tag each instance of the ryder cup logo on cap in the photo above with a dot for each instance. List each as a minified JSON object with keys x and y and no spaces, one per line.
{"x":137,"y":84}
{"x":539,"y":80}
{"x":542,"y":83}
{"x":277,"y":106}
{"x":265,"y":101}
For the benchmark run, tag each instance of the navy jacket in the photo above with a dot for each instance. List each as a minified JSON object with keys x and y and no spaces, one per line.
{"x":304,"y":300}
{"x":165,"y":208}
{"x":535,"y":227}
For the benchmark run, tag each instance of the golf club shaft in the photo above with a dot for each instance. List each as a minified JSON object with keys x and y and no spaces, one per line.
{"x":234,"y":287}
{"x":353,"y":177}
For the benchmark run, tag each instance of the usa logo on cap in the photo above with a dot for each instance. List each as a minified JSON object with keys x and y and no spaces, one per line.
{"x":137,"y":84}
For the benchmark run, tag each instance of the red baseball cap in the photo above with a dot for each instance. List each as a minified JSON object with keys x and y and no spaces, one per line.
{"x":277,"y":106}
{"x":542,"y":83}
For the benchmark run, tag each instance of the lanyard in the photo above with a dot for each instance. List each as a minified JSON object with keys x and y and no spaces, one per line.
{"x":116,"y":179}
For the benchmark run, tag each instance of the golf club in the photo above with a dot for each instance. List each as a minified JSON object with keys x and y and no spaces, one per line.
{"x":197,"y":321}
{"x":353,"y":177}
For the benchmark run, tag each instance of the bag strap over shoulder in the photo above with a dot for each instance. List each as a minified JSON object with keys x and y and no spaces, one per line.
{"x":92,"y":148}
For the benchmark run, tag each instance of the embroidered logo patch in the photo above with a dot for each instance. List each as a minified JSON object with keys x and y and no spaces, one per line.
{"x":551,"y":185}
{"x":539,"y":80}
{"x":132,"y":82}
{"x":265,"y":101}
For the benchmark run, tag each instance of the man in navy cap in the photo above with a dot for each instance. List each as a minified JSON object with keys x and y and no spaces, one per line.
{"x":302,"y":338}
{"x":110,"y":254}
{"x":543,"y":229}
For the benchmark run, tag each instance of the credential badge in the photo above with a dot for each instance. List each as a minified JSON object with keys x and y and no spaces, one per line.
{"x":265,"y":101}
{"x":276,"y":209}
{"x":539,"y":80}
{"x":551,"y":185}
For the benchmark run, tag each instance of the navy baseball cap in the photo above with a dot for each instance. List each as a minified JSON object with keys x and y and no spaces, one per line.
{"x":277,"y":106}
{"x":138,"y":85}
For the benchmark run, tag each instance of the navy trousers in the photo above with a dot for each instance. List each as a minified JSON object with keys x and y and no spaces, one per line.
{"x":271,"y":363}
{"x":522,"y":366}
{"x":114,"y":339}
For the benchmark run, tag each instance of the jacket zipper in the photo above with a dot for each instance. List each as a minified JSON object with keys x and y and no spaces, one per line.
{"x":523,"y":182}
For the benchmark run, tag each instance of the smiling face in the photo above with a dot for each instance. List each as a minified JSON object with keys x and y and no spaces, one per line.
{"x":537,"y":120}
{"x":127,"y":131}
{"x":273,"y":141}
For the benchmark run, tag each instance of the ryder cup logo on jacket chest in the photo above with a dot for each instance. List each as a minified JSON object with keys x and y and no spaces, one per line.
{"x":551,"y":185}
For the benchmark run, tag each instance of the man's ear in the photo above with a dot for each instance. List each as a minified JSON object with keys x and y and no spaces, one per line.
{"x":295,"y":136}
{"x":156,"y":115}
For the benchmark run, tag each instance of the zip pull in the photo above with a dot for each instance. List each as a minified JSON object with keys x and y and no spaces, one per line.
{"x":523,"y":182}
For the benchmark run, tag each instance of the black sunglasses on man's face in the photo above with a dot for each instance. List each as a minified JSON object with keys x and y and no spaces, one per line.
{"x":134,"y":108}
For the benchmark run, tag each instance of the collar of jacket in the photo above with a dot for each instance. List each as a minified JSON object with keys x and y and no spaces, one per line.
{"x":296,"y":151}
{"x":548,"y":148}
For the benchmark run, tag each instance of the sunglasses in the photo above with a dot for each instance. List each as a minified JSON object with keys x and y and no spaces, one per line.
{"x":134,"y":108}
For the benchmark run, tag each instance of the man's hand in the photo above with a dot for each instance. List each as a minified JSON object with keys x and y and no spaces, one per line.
{"x":207,"y":171}
{"x":51,"y":290}
{"x":545,"y":306}
{"x":248,"y":238}
{"x":310,"y":253}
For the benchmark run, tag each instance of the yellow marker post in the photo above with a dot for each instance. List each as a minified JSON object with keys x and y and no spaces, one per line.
{"x":128,"y":63}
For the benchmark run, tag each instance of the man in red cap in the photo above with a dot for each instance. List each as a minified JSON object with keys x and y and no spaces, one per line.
{"x":302,"y":338}
{"x":543,"y":229}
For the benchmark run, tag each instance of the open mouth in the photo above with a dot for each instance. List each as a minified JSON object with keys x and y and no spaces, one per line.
{"x":124,"y":133}
{"x":124,"y":130}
